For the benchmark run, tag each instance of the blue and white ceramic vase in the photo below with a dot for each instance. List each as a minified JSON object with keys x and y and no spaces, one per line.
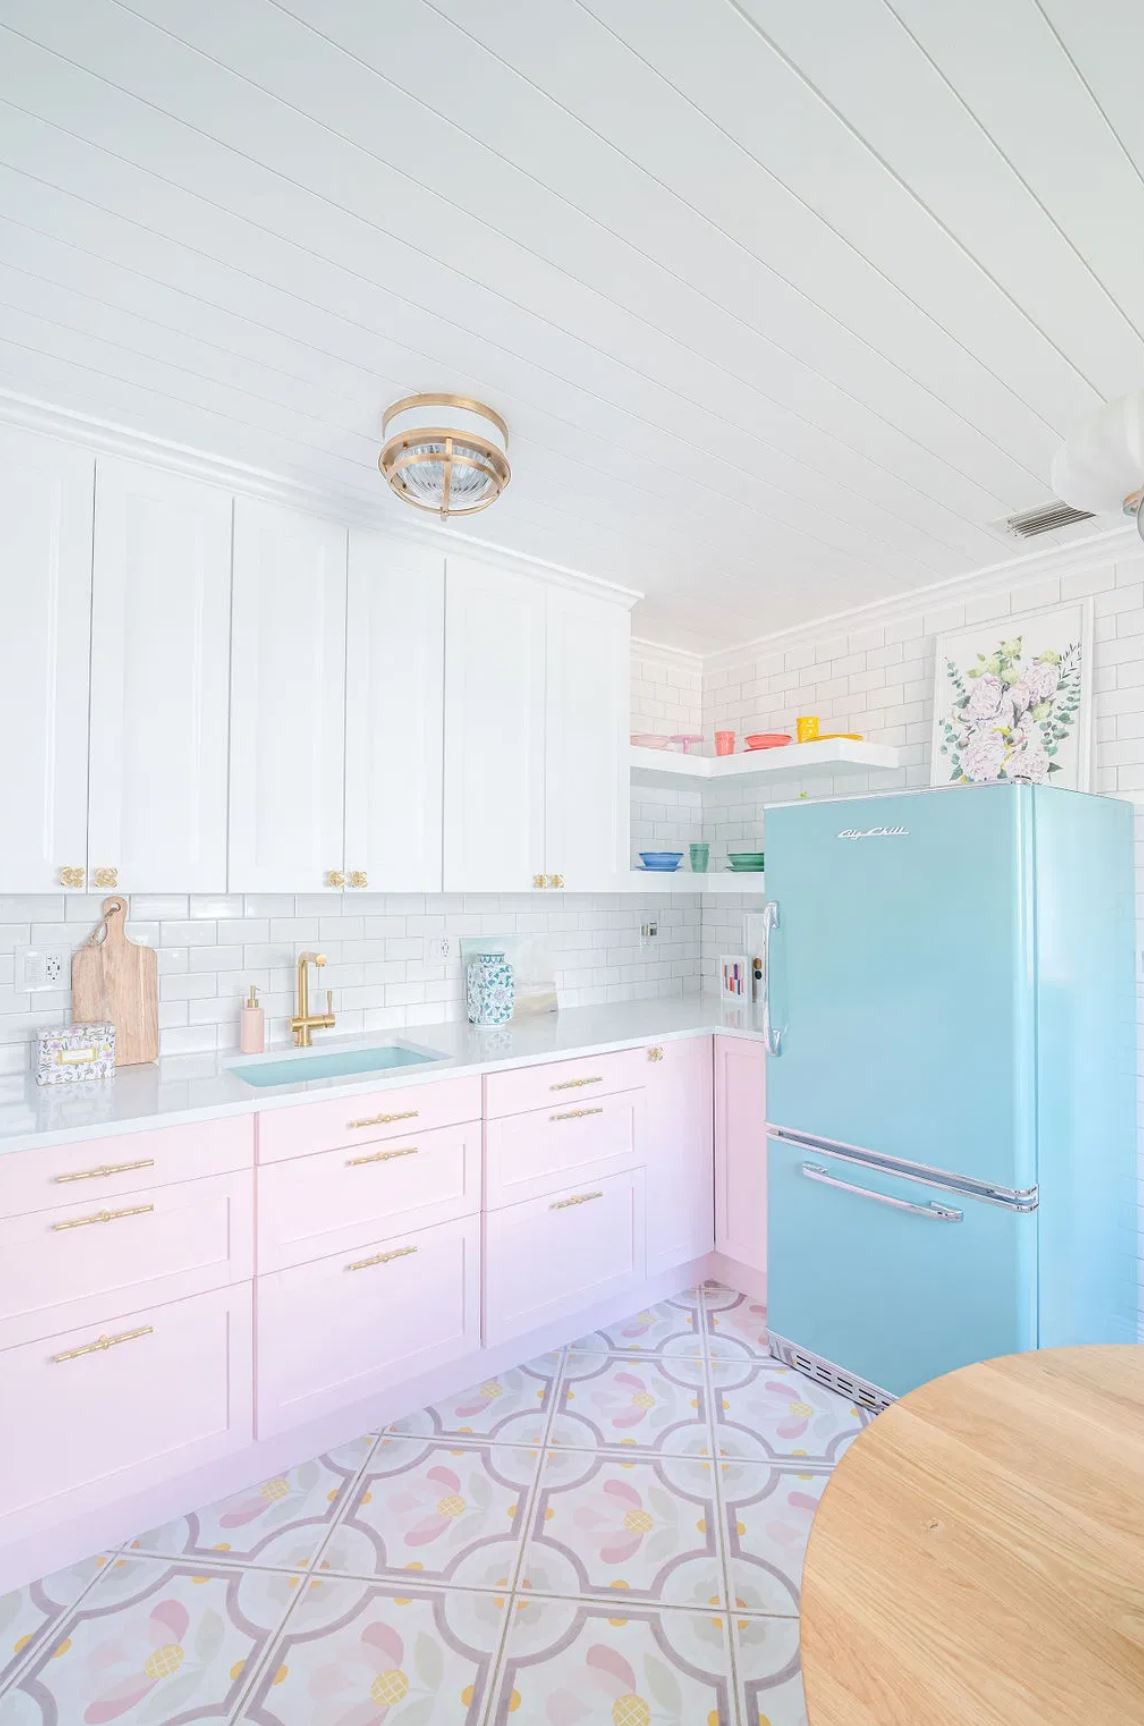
{"x":489,"y":990}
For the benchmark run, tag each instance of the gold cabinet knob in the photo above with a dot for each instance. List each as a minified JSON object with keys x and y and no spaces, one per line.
{"x":105,"y":877}
{"x":358,"y":878}
{"x":70,"y":877}
{"x":556,"y":880}
{"x":655,"y":1054}
{"x":540,"y":880}
{"x":335,"y":878}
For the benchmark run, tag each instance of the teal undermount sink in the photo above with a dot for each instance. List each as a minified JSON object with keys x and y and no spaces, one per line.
{"x":332,"y":1064}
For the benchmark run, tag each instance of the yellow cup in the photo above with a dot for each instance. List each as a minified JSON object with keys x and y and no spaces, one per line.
{"x":806,"y":726}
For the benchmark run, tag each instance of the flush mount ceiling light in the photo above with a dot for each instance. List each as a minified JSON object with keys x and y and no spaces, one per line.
{"x":445,"y":454}
{"x":1101,"y":467}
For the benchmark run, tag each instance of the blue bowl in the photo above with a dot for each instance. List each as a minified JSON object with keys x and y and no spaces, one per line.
{"x":661,"y":859}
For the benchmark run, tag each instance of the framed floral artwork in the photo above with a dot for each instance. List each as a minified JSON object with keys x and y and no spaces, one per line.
{"x":1013,"y":700}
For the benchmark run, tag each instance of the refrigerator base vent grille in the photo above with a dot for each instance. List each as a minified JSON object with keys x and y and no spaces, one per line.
{"x":833,"y":1377}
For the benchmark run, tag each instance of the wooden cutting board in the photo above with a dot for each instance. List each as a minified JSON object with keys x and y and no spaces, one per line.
{"x":116,"y":980}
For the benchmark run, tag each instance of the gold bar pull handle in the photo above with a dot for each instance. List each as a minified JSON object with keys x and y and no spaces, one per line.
{"x":103,"y":1170}
{"x":381,"y":1258}
{"x":104,"y":1217}
{"x":576,"y":1199}
{"x":382,"y":1156}
{"x":385,"y":1120}
{"x":576,"y":1114}
{"x":577,"y":1084}
{"x":102,"y":1343}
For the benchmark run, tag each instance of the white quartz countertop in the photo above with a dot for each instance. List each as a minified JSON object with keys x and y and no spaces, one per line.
{"x":203,"y":1087}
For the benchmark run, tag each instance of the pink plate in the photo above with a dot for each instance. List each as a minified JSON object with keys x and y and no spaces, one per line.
{"x":768,"y":739}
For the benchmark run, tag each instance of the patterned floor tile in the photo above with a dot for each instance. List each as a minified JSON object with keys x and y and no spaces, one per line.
{"x":156,"y":1642}
{"x":770,"y":1684}
{"x":671,"y":1327}
{"x":716,"y":1295}
{"x":655,"y":1405}
{"x":447,"y":1512}
{"x":280,"y":1522}
{"x":577,"y":1663}
{"x":767,"y":1513}
{"x":738,"y":1331}
{"x":27,"y":1614}
{"x":605,"y":1524}
{"x":386,"y":1654}
{"x":767,"y":1411}
{"x":513,"y":1407}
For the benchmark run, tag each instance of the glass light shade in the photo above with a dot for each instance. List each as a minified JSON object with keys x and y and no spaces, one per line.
{"x":445,"y":454}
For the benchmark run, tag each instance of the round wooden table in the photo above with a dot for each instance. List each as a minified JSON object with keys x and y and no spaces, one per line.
{"x":978,"y":1557}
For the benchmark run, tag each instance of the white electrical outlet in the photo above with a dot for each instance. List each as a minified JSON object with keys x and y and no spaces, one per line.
{"x":649,"y":932}
{"x":444,"y":947}
{"x":39,"y":968}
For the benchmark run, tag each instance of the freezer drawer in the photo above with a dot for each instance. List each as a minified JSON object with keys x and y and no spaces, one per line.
{"x":893,"y":1280}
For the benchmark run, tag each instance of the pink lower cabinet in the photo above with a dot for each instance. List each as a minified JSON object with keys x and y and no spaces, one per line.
{"x":741,"y":1151}
{"x":341,"y":1329}
{"x":549,"y":1258}
{"x":310,"y":1207}
{"x":110,"y":1409}
{"x":678,"y":1152}
{"x":71,"y":1265}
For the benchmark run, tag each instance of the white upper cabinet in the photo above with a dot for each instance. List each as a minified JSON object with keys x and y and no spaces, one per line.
{"x":587,"y":776}
{"x":287,"y":711}
{"x":160,"y":648}
{"x":494,"y":728}
{"x":394,"y":690}
{"x":45,"y":610}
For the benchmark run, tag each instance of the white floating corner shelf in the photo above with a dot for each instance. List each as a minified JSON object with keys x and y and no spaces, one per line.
{"x":685,"y":881}
{"x":834,"y":755}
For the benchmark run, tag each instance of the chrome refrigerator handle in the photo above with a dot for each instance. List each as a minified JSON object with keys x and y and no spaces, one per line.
{"x":772,"y":1039}
{"x":933,"y":1211}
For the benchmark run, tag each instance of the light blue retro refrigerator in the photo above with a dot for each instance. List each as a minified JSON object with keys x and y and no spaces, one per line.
{"x":950,"y":1090}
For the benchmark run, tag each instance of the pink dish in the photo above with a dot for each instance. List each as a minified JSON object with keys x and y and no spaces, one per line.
{"x":649,"y":740}
{"x":768,"y":739}
{"x":685,"y":739}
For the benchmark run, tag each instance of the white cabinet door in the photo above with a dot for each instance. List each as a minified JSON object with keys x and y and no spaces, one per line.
{"x":587,"y":782}
{"x":287,"y":705}
{"x":494,"y":728}
{"x":395,"y":650}
{"x":160,"y":651}
{"x":45,"y":613}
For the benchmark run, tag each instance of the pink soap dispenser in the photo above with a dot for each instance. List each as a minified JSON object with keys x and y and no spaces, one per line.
{"x":252,"y":1029}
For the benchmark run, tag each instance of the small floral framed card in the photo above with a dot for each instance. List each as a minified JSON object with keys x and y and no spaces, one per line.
{"x":1013,"y":700}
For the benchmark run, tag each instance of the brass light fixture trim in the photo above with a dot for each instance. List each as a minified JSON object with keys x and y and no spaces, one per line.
{"x":449,"y":469}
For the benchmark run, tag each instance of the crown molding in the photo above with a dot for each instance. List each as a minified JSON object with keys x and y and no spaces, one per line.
{"x":348,"y":508}
{"x":659,"y":652}
{"x":1055,"y":561}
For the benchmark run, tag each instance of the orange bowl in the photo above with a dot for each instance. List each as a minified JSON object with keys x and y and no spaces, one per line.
{"x":767,"y":739}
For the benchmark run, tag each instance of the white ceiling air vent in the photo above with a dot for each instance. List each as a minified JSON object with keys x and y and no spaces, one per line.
{"x":1049,"y":516}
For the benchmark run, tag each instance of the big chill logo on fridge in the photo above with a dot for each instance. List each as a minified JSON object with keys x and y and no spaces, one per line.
{"x":873,"y":833}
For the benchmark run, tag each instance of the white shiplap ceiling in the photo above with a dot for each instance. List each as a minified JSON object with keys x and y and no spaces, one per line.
{"x":785,"y":301}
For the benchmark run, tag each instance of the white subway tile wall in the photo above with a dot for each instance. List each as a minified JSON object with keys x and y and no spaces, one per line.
{"x":667,"y":691}
{"x":386,"y":967}
{"x":878,"y":679}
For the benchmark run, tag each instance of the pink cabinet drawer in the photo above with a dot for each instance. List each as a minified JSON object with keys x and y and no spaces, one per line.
{"x":312,"y":1206}
{"x":296,"y":1132}
{"x":524,"y":1088}
{"x":77,"y":1264}
{"x":111,"y":1409}
{"x":527,"y":1155}
{"x":549,"y":1258}
{"x":342,"y":1329}
{"x":99,"y":1170}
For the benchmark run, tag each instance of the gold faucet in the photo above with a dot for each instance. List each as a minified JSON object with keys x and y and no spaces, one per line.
{"x":304,"y":1022}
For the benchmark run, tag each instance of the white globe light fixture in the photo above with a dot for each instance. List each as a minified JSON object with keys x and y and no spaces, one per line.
{"x":1101,"y":466}
{"x":445,"y":454}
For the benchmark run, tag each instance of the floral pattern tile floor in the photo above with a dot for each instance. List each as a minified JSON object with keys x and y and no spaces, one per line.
{"x":610,"y":1535}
